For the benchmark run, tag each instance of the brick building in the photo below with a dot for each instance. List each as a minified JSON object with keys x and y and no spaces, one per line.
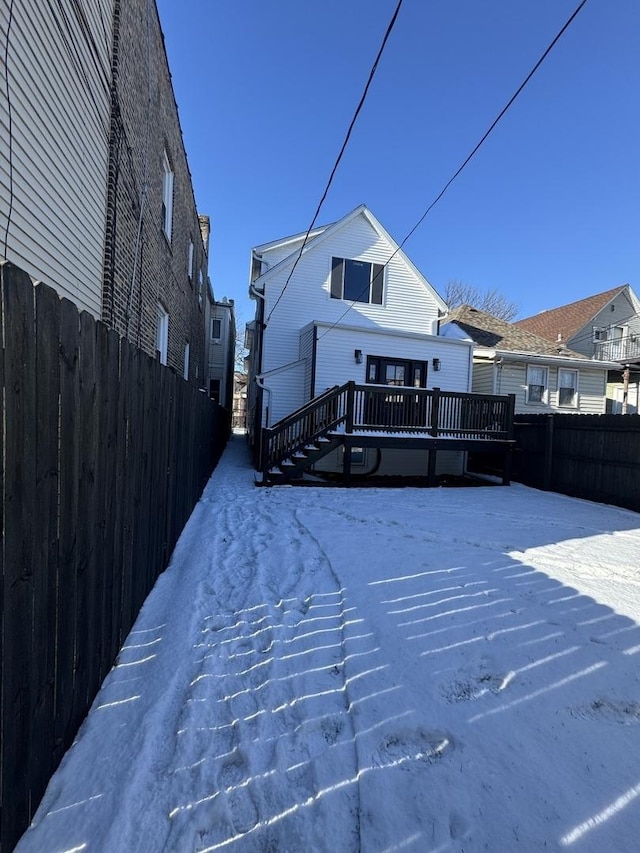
{"x":106,"y":216}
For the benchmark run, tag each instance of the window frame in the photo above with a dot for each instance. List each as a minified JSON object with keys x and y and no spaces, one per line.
{"x":190,"y":254}
{"x":574,"y":402}
{"x":215,"y":337}
{"x":167,"y":195}
{"x":544,"y":401}
{"x":378,"y":364}
{"x":338,"y":277}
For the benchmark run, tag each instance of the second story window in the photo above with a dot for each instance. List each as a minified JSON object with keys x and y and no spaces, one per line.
{"x":167,"y":196}
{"x":357,"y":281}
{"x":200,"y":282}
{"x":216,"y":328}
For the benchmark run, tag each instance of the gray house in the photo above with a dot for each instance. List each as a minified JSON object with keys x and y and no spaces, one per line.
{"x":544,"y":376}
{"x":604,"y":327}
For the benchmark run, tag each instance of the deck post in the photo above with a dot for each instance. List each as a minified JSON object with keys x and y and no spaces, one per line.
{"x":435,"y":411}
{"x":431,"y":467}
{"x":351,"y":393}
{"x":346,"y":464}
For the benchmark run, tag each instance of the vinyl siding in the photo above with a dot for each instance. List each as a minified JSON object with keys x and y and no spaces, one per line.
{"x":512,"y":378}
{"x":59,"y":87}
{"x":619,"y":312}
{"x":483,"y":374}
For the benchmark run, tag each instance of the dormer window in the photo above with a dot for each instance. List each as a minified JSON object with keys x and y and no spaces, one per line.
{"x":357,"y":281}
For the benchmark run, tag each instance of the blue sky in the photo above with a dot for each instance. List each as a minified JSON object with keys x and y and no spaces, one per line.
{"x":547,"y":212}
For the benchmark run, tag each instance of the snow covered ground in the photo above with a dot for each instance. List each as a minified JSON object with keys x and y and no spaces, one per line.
{"x":375,"y":670}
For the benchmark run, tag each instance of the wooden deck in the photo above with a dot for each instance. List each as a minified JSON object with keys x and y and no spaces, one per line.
{"x":384,"y":416}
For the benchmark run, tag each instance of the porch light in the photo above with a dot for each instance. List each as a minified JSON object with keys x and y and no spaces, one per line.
{"x":436,"y":363}
{"x":358,"y":356}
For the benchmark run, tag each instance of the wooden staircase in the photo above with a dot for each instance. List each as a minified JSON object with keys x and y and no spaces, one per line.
{"x":294,"y":444}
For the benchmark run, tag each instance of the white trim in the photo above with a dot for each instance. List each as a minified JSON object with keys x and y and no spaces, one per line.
{"x":190,"y":260}
{"x":187,"y":351}
{"x":167,"y":195}
{"x":576,"y":390}
{"x":162,"y":332}
{"x":545,"y":386}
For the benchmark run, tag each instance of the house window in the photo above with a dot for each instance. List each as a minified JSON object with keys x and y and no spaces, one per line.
{"x":216,"y":328}
{"x":357,"y":281}
{"x":568,"y":388}
{"x":167,"y":196}
{"x":186,"y":361}
{"x":162,"y":333}
{"x":190,"y":261}
{"x":392,"y":371}
{"x":536,"y":384}
{"x":200,"y":288}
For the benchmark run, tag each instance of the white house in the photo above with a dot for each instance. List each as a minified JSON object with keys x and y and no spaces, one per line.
{"x":350,"y":307}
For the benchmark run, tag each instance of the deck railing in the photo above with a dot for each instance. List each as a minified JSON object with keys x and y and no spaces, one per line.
{"x":385,"y":409}
{"x":626,"y":348}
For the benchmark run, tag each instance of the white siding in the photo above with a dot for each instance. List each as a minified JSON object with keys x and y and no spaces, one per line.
{"x":512,"y":378}
{"x":59,"y":86}
{"x":335,"y":362}
{"x":483,"y":374}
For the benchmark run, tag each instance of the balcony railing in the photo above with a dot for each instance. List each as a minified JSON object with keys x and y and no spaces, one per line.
{"x":619,"y":349}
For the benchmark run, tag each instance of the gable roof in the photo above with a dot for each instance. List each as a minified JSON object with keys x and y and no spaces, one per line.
{"x":568,"y":320}
{"x":328,"y":231}
{"x":488,"y":331}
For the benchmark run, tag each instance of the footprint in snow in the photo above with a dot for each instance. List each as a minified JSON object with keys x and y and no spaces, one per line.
{"x":625,"y":713}
{"x":402,"y":749}
{"x":470,"y":689}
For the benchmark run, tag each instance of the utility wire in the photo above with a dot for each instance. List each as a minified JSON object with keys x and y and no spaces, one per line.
{"x":471,"y":155}
{"x":342,"y":150}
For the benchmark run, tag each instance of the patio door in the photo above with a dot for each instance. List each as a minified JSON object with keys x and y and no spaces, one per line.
{"x":396,"y":410}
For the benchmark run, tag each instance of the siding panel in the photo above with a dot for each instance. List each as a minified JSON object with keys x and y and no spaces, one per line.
{"x":58,"y":72}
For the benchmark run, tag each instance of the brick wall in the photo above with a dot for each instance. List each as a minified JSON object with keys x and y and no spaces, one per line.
{"x":142,"y":266}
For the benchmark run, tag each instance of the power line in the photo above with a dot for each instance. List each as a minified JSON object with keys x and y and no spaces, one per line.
{"x":342,"y":150}
{"x":472,"y":154}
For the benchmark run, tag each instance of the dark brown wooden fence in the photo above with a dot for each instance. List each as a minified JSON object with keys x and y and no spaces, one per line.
{"x":588,"y":456}
{"x":105,"y":454}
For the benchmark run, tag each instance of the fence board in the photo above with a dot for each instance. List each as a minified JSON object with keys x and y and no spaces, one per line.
{"x":45,"y":535}
{"x":19,"y":510}
{"x":67,"y":611}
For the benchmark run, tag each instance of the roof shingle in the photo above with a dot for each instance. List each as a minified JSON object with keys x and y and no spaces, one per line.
{"x":569,"y":319}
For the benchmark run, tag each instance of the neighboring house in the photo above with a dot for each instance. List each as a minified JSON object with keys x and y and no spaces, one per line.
{"x":355,"y":309}
{"x":605,"y":327}
{"x":543,"y":376}
{"x":239,"y":411}
{"x":221,"y":345}
{"x":95,"y":191}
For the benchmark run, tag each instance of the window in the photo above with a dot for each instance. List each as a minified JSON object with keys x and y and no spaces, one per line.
{"x":357,"y":281}
{"x":216,"y":328}
{"x":568,"y":388}
{"x":167,"y":196}
{"x":162,"y":333}
{"x":536,"y":384}
{"x":185,"y":373}
{"x":190,"y":261}
{"x":391,"y":371}
{"x":200,"y":288}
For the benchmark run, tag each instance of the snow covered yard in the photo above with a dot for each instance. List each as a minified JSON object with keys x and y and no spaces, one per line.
{"x":375,"y":670}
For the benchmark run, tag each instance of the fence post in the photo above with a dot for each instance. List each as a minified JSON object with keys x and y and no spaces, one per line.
{"x":435,"y":411}
{"x":548,"y":453}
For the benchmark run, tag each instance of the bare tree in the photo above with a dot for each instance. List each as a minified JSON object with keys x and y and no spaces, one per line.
{"x":240,"y":350}
{"x":492,"y":301}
